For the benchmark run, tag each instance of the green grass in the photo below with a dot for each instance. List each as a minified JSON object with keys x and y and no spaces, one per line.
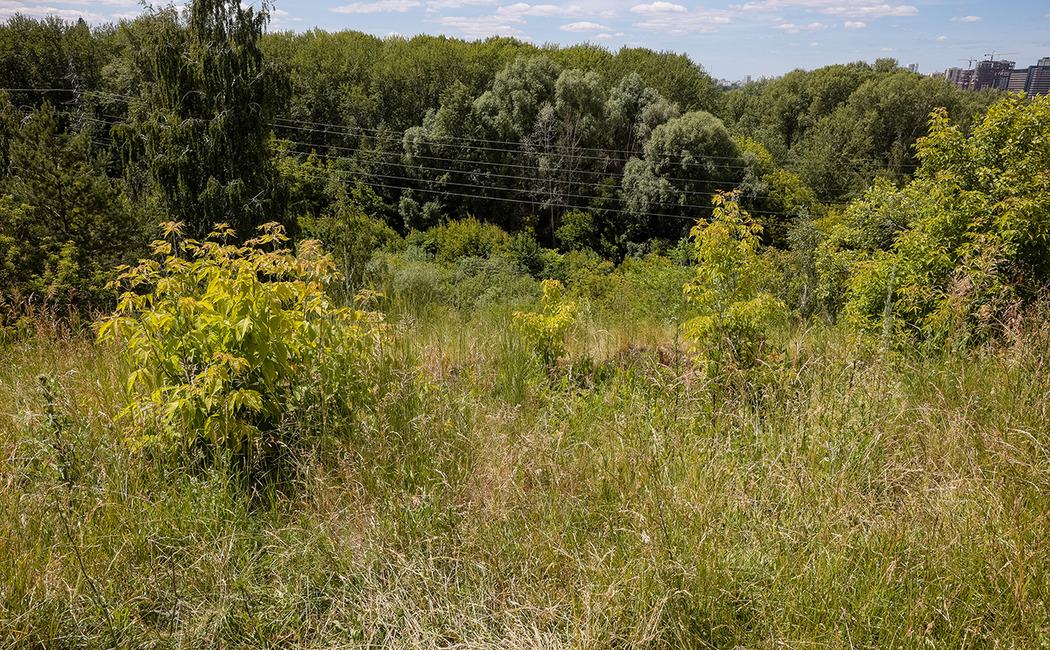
{"x":846,"y":496}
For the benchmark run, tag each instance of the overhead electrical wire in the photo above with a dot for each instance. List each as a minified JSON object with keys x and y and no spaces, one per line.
{"x":520,"y":150}
{"x":392,"y":136}
{"x":286,"y":123}
{"x":408,"y":183}
{"x":527,"y":179}
{"x":446,"y":170}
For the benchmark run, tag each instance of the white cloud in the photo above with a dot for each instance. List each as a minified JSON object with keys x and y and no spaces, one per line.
{"x":583,"y":27}
{"x":543,"y":11}
{"x":679,"y":24}
{"x":381,"y":6}
{"x":791,"y":28}
{"x":815,"y":44}
{"x":855,"y":25}
{"x":675,"y":20}
{"x":659,"y":7}
{"x":280,"y":17}
{"x":95,"y":3}
{"x":438,"y":5}
{"x":967,"y":19}
{"x":9,"y":9}
{"x":844,"y":8}
{"x":942,"y":38}
{"x":887,"y":49}
{"x":483,"y":26}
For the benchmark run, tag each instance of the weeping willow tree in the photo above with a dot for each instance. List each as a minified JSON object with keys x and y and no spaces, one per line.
{"x":199,"y":128}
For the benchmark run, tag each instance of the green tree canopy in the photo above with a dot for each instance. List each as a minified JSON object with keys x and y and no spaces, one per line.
{"x":973,"y":228}
{"x":687,"y":161}
{"x":64,"y":225}
{"x":200,"y":125}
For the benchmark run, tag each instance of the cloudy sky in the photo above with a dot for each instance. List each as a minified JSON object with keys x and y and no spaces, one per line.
{"x":730,"y":39}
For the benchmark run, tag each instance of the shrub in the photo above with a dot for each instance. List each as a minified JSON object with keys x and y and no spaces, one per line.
{"x":546,"y":331}
{"x":478,"y":282}
{"x":226,"y":340}
{"x":467,"y":238}
{"x":411,"y":282}
{"x":653,"y":287}
{"x":968,"y":238}
{"x":733,"y":312}
{"x":353,"y":233}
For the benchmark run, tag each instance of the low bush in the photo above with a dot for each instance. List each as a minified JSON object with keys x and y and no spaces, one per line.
{"x":732,"y":310}
{"x":231,"y":343}
{"x":545,"y":331}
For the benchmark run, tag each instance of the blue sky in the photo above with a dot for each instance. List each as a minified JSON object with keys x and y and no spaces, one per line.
{"x":730,"y":39}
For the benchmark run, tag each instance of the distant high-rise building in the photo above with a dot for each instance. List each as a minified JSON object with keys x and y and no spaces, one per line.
{"x":1018,"y":80}
{"x":1034,"y":80}
{"x":1038,"y":81}
{"x":992,"y":74}
{"x":959,"y":78}
{"x":913,"y":67}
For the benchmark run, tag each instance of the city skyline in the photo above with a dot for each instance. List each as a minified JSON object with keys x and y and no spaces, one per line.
{"x":731,"y":40}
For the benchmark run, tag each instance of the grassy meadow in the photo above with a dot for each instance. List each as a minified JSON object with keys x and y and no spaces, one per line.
{"x":841,"y":494}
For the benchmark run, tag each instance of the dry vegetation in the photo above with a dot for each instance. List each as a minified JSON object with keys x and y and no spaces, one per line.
{"x":840,"y":495}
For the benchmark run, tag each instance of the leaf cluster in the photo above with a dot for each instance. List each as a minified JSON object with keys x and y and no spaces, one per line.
{"x":546,"y":330}
{"x":230,"y":341}
{"x":967,"y":242}
{"x":733,"y":311}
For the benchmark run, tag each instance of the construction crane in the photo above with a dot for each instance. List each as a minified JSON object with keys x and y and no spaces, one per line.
{"x":991,"y":57}
{"x":970,"y":62}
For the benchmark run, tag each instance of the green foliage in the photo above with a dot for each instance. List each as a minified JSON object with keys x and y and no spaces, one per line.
{"x":778,"y":194}
{"x":686,"y":160}
{"x":50,"y":53}
{"x":200,"y":126}
{"x":466,"y":238}
{"x":730,"y":327}
{"x":527,"y":252}
{"x":875,"y":130}
{"x":586,"y":274}
{"x":969,"y":238}
{"x":478,"y":282}
{"x":634,"y":110}
{"x":353,"y":233}
{"x":409,"y":281}
{"x":64,"y":224}
{"x":228,"y":341}
{"x":545,"y":330}
{"x":509,"y":110}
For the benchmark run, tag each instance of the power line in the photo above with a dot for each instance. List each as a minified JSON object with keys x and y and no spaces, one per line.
{"x":541,"y":181}
{"x":391,"y":136}
{"x":448,"y":170}
{"x":410,"y":183}
{"x":543,"y":204}
{"x":504,"y":199}
{"x":385,"y":136}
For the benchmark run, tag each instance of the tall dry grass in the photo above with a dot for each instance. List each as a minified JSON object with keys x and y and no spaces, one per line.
{"x":842,"y":495}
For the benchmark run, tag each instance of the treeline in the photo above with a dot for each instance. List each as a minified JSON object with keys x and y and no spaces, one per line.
{"x":377,"y":144}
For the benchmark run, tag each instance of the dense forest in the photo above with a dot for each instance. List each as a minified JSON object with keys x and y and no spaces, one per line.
{"x":327,"y":340}
{"x":371,"y":144}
